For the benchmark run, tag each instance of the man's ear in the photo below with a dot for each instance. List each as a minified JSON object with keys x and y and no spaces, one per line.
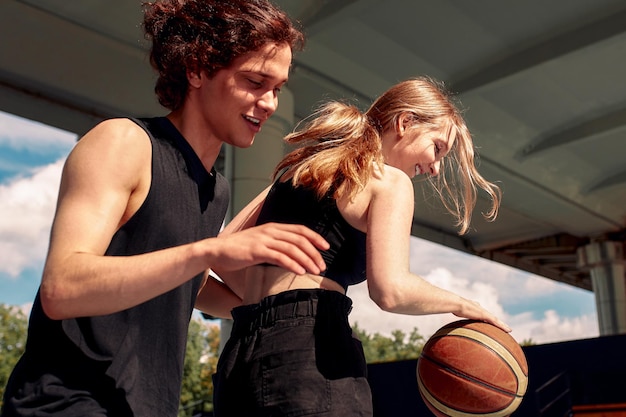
{"x":194,"y":78}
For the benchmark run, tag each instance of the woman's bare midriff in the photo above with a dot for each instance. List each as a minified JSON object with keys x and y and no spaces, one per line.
{"x":262,"y":281}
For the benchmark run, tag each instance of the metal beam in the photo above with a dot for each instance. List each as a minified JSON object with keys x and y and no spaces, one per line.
{"x":542,"y":52}
{"x":601,"y":124}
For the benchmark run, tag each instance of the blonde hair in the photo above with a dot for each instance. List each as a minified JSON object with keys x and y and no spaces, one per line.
{"x":342,"y":147}
{"x":340,"y":150}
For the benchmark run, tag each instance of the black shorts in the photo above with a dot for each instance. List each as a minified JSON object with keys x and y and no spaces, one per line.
{"x":293,"y":354}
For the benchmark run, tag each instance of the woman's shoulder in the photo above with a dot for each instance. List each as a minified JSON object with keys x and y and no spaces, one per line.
{"x":390,"y":179}
{"x":388,"y":187}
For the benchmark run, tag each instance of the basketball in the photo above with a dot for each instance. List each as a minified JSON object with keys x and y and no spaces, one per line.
{"x":469,"y":368}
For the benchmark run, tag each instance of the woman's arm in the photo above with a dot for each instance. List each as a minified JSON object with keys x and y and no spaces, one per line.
{"x":245,"y":219}
{"x":216,"y":299}
{"x":391,"y":284}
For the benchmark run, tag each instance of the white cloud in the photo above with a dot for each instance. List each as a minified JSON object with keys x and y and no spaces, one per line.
{"x":26,"y":213}
{"x":372,"y":319}
{"x":19,"y":133}
{"x":553,"y":328}
{"x":513,"y":285}
{"x":488,"y":283}
{"x":26,"y":308}
{"x":534,"y":285}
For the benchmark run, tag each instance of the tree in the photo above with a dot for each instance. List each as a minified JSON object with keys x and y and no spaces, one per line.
{"x":13,"y":328}
{"x":399,"y":346}
{"x":200,"y":363}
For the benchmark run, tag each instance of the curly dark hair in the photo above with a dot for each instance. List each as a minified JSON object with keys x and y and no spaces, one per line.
{"x":208,"y":35}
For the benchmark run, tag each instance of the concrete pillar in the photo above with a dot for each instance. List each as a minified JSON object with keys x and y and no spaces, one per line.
{"x":249,"y":170}
{"x":253,"y":167}
{"x":605,"y":260}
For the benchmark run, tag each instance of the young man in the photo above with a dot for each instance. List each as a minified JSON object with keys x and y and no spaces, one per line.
{"x":139,"y":209}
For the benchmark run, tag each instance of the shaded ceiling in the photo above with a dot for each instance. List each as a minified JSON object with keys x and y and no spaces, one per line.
{"x":543,"y":84}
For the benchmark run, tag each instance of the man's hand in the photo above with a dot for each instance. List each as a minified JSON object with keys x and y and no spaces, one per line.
{"x":293,"y":247}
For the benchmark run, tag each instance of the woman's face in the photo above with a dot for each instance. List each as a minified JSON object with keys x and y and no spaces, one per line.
{"x":419,"y":149}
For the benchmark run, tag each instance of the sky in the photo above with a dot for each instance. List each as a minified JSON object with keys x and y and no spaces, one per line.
{"x":31,"y":160}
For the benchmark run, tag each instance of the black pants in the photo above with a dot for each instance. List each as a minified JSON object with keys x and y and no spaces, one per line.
{"x":293,"y":354}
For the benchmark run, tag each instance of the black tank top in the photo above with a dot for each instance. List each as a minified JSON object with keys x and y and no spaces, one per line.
{"x":345,"y":259}
{"x":132,"y":361}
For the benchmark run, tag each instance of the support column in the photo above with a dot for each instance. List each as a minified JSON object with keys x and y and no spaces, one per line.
{"x":249,"y":170}
{"x":253,"y":167}
{"x":605,"y":260}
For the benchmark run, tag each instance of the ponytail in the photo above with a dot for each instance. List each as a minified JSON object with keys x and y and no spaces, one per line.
{"x":338,"y":151}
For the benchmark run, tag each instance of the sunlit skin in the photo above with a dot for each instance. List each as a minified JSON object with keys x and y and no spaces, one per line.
{"x":418,"y":150}
{"x":384,"y":209}
{"x":232,"y":106}
{"x":107,"y":177}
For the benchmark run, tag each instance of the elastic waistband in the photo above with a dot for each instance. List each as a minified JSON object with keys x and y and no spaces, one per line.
{"x":289,"y":305}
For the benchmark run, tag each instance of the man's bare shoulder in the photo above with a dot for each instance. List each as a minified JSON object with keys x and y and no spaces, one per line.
{"x":111,"y":140}
{"x":120,"y":129}
{"x":115,"y":149}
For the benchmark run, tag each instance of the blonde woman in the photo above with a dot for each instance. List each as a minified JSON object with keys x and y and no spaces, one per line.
{"x":291,"y":351}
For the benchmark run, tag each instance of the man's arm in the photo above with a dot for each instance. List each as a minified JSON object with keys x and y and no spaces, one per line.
{"x":105,"y":180}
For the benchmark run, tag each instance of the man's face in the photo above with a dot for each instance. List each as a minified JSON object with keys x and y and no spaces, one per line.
{"x":238,"y":99}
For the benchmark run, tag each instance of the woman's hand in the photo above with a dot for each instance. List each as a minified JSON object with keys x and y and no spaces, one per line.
{"x":472,"y":310}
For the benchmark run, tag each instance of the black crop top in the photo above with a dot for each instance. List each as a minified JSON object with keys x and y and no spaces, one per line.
{"x":345,"y":259}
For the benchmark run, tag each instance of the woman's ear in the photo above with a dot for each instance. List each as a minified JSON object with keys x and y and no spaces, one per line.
{"x":402,"y":124}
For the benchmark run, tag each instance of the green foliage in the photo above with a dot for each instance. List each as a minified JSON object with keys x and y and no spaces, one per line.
{"x":399,"y":346}
{"x":13,"y":328}
{"x":200,"y":363}
{"x":202,"y":354}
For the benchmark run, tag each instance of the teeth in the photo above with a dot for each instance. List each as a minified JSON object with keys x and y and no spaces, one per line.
{"x":253,"y":120}
{"x":418,"y":171}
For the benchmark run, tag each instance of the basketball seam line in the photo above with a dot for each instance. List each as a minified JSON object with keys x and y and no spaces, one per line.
{"x":506,"y":354}
{"x":469,"y":377}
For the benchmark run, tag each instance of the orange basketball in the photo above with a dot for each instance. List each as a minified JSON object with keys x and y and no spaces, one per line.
{"x":469,"y":368}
